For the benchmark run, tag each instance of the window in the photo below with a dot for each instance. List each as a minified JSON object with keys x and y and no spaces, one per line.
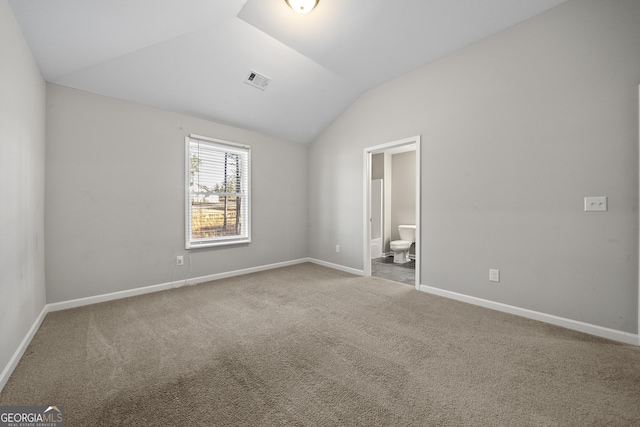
{"x":218,"y":210}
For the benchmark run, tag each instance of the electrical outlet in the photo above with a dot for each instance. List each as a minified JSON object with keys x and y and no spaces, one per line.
{"x":494,"y":275}
{"x":595,"y":204}
{"x":337,"y":248}
{"x":179,"y":260}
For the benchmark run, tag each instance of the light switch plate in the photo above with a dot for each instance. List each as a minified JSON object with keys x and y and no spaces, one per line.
{"x":595,"y":204}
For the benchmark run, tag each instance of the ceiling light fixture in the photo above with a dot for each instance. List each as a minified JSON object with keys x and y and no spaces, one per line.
{"x":302,"y":6}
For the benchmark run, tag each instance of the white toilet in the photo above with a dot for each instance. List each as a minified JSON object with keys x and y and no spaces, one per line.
{"x":401,"y":247}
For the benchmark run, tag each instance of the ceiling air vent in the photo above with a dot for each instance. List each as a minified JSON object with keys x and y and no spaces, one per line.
{"x":258,"y":80}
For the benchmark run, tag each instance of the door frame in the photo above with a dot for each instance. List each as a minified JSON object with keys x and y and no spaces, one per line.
{"x":368,"y":153}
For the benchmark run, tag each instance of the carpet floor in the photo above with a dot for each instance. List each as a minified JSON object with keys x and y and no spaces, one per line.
{"x":309,"y":346}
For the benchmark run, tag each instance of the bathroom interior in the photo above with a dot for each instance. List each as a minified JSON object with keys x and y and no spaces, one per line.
{"x":393,"y":214}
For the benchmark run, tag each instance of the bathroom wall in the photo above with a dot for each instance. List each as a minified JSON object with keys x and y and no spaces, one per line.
{"x":377,"y":166}
{"x":399,"y":174}
{"x":403,"y":192}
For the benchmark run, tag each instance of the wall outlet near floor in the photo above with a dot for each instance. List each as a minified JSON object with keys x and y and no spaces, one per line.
{"x":494,"y":275}
{"x":337,"y":248}
{"x":179,"y":260}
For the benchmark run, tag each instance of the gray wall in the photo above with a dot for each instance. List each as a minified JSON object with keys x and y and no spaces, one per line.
{"x":516,"y":130}
{"x":22,"y":138}
{"x":377,"y":166}
{"x":399,"y":174}
{"x":403,"y":192}
{"x":115,"y":197}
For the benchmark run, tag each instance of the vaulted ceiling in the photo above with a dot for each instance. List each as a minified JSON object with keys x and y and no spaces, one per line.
{"x":193,"y":56}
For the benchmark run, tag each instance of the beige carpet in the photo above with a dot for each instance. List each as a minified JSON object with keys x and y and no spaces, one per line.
{"x":310,"y":346}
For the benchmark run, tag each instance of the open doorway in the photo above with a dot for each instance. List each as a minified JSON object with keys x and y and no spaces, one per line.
{"x":382,"y":223}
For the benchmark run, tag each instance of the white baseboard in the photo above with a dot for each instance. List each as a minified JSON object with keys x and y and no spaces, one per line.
{"x":218,"y":276}
{"x":164,"y":286}
{"x":555,"y":320}
{"x":575,"y":325}
{"x":64,"y":305}
{"x":336,"y":266}
{"x":13,"y":362}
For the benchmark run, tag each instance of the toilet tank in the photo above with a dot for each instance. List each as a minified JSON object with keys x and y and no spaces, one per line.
{"x":407,"y":232}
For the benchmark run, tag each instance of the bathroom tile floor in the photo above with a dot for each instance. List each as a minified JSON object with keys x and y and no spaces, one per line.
{"x":385,"y":267}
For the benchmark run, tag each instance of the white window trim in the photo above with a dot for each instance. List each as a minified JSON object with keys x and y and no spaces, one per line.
{"x":219,"y":241}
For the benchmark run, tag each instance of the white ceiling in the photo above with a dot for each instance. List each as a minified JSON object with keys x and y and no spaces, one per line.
{"x":192,"y":56}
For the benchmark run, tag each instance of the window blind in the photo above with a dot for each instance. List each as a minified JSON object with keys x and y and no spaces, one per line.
{"x":218,"y":200}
